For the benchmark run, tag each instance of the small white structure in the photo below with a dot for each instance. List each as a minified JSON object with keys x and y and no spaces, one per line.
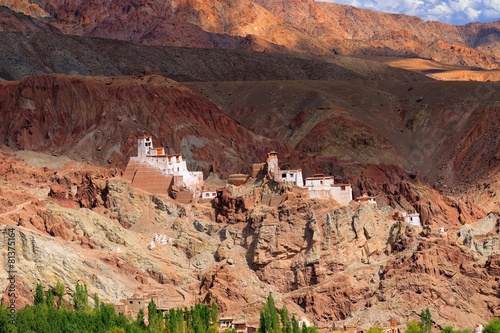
{"x":303,"y":321}
{"x":324,"y":187}
{"x":294,"y":176}
{"x":365,"y":198}
{"x":151,"y":245}
{"x":170,"y":165}
{"x":161,"y":239}
{"x":207,"y":194}
{"x":412,"y":218}
{"x":478,"y":329}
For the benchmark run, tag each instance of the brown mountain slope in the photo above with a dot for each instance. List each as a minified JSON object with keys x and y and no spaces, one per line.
{"x":303,"y":26}
{"x":99,"y":119}
{"x":25,"y":54}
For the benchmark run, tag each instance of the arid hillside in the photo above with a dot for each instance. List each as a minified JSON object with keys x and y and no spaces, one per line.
{"x":334,"y":265}
{"x":98,"y":120}
{"x":303,"y":26}
{"x":26,"y":54}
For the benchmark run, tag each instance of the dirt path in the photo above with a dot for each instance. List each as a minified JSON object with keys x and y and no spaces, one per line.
{"x":17,"y":209}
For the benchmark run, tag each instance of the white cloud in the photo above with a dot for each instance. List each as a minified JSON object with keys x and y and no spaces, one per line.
{"x":449,"y":11}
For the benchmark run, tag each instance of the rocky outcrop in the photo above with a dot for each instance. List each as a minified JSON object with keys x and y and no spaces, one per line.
{"x":483,"y":236}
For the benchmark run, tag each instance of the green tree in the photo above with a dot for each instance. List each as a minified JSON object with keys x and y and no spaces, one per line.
{"x":155,"y":319}
{"x":312,"y":329}
{"x":447,"y":329}
{"x":450,"y":329}
{"x":39,"y":295}
{"x":140,"y":319}
{"x":59,"y":293}
{"x":413,"y":327}
{"x":81,"y":297}
{"x":269,"y":317}
{"x":49,"y":298}
{"x":493,"y":326}
{"x":426,"y":321}
{"x":214,"y":328}
{"x":309,"y":329}
{"x":5,"y":324}
{"x":375,"y":330}
{"x":151,"y":312}
{"x":214,"y":313}
{"x":174,"y":321}
{"x":96,"y":302}
{"x":286,"y":327}
{"x":295,"y":325}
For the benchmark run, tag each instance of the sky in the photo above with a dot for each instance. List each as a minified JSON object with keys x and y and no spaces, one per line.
{"x":448,"y":11}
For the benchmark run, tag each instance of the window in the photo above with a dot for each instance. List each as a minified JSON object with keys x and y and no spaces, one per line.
{"x":283,"y":175}
{"x":342,"y":188}
{"x":321,"y":182}
{"x":131,"y":302}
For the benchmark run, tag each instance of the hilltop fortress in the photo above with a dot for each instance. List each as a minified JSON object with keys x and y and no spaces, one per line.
{"x":155,"y":171}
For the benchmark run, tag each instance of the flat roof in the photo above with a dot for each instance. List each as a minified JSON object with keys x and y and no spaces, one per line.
{"x":319,"y":177}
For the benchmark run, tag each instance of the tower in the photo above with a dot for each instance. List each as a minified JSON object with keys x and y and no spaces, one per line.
{"x":143,"y":147}
{"x":273,"y":170}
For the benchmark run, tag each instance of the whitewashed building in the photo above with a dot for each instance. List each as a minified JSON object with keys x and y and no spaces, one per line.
{"x":324,"y":187}
{"x":412,"y":218}
{"x":294,"y":176}
{"x":365,"y":198}
{"x":169,"y":164}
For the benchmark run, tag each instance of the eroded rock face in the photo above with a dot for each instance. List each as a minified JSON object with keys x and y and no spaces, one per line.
{"x":332,"y":264}
{"x":483,"y":236}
